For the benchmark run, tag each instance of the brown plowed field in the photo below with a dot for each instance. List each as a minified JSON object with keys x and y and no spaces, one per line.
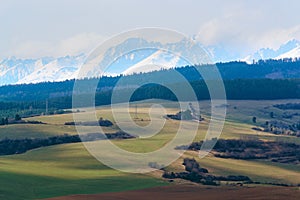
{"x":193,"y":192}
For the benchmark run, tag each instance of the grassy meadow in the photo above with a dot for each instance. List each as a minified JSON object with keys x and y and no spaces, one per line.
{"x":62,"y":170}
{"x":69,"y":168}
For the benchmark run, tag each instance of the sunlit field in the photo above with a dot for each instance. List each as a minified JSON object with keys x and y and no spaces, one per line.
{"x":69,"y":169}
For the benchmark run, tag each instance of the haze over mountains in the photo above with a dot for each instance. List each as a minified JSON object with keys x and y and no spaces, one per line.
{"x":289,"y":50}
{"x":17,"y":71}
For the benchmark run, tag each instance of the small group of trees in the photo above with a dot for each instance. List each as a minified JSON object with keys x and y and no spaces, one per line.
{"x":282,"y":128}
{"x":11,"y":146}
{"x":253,"y":149}
{"x":18,"y":117}
{"x":100,"y":122}
{"x":287,"y":106}
{"x":104,"y":122}
{"x":193,"y":172}
{"x":6,"y":120}
{"x":191,"y":165}
{"x":277,"y":126}
{"x":17,"y":146}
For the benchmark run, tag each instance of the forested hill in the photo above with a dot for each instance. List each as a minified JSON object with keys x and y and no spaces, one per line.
{"x":232,"y":73}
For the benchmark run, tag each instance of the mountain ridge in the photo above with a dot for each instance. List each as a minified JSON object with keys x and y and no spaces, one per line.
{"x":18,"y":71}
{"x":290,"y":49}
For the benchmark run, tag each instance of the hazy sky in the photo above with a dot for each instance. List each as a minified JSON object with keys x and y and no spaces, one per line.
{"x":35,"y":28}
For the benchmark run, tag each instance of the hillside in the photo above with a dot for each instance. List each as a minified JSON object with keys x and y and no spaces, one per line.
{"x":270,"y":69}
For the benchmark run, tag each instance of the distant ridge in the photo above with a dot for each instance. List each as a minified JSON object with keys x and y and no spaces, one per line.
{"x":291,"y":49}
{"x":18,"y":71}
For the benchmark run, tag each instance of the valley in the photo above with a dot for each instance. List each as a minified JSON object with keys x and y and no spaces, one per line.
{"x":68,"y":169}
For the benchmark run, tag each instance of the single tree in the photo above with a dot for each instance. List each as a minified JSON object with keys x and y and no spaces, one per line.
{"x":254,"y":119}
{"x":267,"y":123}
{"x":2,"y":121}
{"x":18,"y":117}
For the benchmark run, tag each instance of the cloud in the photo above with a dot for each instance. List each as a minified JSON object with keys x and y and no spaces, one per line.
{"x":276,"y":37}
{"x":246,"y":32}
{"x":47,"y":28}
{"x":229,"y":31}
{"x":74,"y":45}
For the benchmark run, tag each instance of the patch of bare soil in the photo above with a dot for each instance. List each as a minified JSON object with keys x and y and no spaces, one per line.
{"x":196,"y":192}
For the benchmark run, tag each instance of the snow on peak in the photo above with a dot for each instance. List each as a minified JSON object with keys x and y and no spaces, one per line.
{"x":287,"y":50}
{"x":156,"y":61}
{"x":15,"y":71}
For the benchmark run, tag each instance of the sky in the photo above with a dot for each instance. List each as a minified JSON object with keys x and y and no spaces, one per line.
{"x":38,"y":28}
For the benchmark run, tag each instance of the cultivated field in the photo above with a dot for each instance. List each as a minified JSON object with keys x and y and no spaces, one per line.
{"x":194,"y":192}
{"x":69,"y":169}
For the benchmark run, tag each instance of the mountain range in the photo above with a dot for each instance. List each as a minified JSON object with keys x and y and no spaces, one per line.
{"x":18,"y":71}
{"x":289,"y":50}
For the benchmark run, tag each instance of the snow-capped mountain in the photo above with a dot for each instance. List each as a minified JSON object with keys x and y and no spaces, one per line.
{"x":289,"y":50}
{"x":294,"y":53}
{"x":16,"y":71}
{"x":153,"y":62}
{"x":145,"y":53}
{"x":55,"y":70}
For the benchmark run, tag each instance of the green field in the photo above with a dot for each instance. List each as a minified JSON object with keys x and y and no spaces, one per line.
{"x":70,"y":169}
{"x":62,"y":170}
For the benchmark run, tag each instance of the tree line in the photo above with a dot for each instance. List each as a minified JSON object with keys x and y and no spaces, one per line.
{"x":252,"y":149}
{"x":275,"y":69}
{"x":18,"y":146}
{"x":239,"y":89}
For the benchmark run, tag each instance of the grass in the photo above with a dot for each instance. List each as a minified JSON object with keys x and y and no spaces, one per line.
{"x":62,"y":170}
{"x":261,"y":171}
{"x":70,"y":169}
{"x":257,"y":170}
{"x":243,"y":111}
{"x":19,"y":131}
